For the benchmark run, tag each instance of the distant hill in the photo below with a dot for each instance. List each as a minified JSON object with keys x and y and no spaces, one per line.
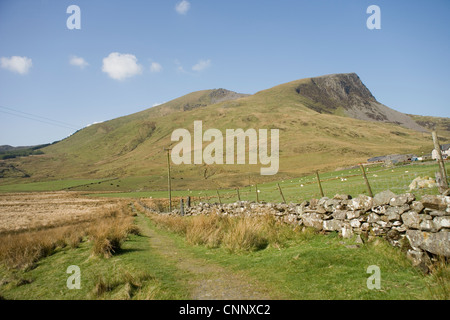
{"x":325,"y":122}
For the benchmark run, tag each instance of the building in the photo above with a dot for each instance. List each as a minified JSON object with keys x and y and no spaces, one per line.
{"x":445,"y":151}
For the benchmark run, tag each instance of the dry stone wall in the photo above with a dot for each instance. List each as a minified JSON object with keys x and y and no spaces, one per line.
{"x":422,"y":226}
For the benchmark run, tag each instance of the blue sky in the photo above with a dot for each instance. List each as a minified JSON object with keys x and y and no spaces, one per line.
{"x":131,"y":55}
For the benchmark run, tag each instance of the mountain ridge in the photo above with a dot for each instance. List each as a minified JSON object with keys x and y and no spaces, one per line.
{"x":133,"y":145}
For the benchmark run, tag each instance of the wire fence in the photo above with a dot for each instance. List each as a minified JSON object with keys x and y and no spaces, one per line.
{"x":349,"y":182}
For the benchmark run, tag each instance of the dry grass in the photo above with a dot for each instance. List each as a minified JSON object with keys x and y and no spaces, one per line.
{"x":105,"y":226}
{"x":39,"y":210}
{"x":236,"y":234}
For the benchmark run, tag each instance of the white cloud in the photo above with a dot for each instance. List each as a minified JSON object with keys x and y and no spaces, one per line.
{"x":17,"y":64}
{"x":155,"y":67}
{"x":202,"y":65}
{"x":77,"y":61}
{"x":183,"y":7}
{"x":120,"y":66}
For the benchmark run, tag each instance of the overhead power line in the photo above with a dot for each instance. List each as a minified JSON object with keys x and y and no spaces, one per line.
{"x":37,"y":118}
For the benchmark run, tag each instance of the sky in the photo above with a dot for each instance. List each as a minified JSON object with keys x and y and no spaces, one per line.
{"x":63,"y":69}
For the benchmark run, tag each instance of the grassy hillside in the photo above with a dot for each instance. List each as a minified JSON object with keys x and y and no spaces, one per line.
{"x":133,"y":145}
{"x":441,"y":125}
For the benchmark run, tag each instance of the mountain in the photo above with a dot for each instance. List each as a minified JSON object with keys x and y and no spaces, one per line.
{"x":346,"y":94}
{"x":324,"y":122}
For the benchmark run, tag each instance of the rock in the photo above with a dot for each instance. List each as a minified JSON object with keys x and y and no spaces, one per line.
{"x":419,"y":260}
{"x":393,"y":216}
{"x":347,"y":232}
{"x":373,"y":217}
{"x":411,"y":219}
{"x":313,"y":220}
{"x":299,"y":209}
{"x":383,"y":198}
{"x":331,"y":204}
{"x":342,"y":197}
{"x":380,"y":209}
{"x":378,"y":231}
{"x":428,"y":225}
{"x":442,"y":222}
{"x":355,"y":223}
{"x":436,"y":202}
{"x":365,"y":226}
{"x":332,"y":225}
{"x":437,"y":213}
{"x":384,"y":224}
{"x":362,"y":202}
{"x":353,"y":214}
{"x":339,"y":215}
{"x":417,"y":206}
{"x":437,"y":243}
{"x":402,"y":199}
{"x":421,"y":183}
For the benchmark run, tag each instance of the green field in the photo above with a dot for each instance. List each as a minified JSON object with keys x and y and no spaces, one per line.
{"x":350,"y":181}
{"x":308,"y":266}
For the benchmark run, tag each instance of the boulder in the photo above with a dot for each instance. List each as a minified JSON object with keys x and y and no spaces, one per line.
{"x":347,"y":232}
{"x":436,"y":202}
{"x":417,"y":206}
{"x":402,"y":199}
{"x":332,"y":225}
{"x":373,"y":217}
{"x":437,"y":243}
{"x":355,"y":223}
{"x":428,"y":225}
{"x":313,"y":220}
{"x":362,"y":202}
{"x":353,"y":214}
{"x":442,"y":222}
{"x":342,"y":197}
{"x":421,"y":183}
{"x":383,"y":198}
{"x":339,"y":215}
{"x":411,"y":219}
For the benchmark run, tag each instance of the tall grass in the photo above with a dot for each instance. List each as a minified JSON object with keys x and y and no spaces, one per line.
{"x":107,"y":233}
{"x":235,"y":234}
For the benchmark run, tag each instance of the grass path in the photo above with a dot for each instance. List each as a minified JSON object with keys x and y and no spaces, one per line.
{"x":207,"y":280}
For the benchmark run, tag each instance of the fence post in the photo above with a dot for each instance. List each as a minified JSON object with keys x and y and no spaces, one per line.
{"x":181,"y":207}
{"x":443,"y":185}
{"x":238,"y":194}
{"x":257,"y":196}
{"x":281,"y":192}
{"x":320,"y":184}
{"x":188,"y":201}
{"x":218,"y":196}
{"x":369,"y":189}
{"x":169,"y":178}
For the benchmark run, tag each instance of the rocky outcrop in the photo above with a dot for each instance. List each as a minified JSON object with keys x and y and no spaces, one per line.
{"x":425,"y":224}
{"x":347,"y":92}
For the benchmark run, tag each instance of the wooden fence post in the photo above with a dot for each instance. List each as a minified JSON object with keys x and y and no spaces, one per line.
{"x":320,"y":184}
{"x":443,"y":183}
{"x":281,"y":192}
{"x":257,"y":196}
{"x":218,"y":196}
{"x":188,"y":201}
{"x":369,"y":189}
{"x":181,"y":207}
{"x":238,"y":194}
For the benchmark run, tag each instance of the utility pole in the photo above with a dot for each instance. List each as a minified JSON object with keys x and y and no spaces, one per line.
{"x":168,"y":178}
{"x":443,"y":186}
